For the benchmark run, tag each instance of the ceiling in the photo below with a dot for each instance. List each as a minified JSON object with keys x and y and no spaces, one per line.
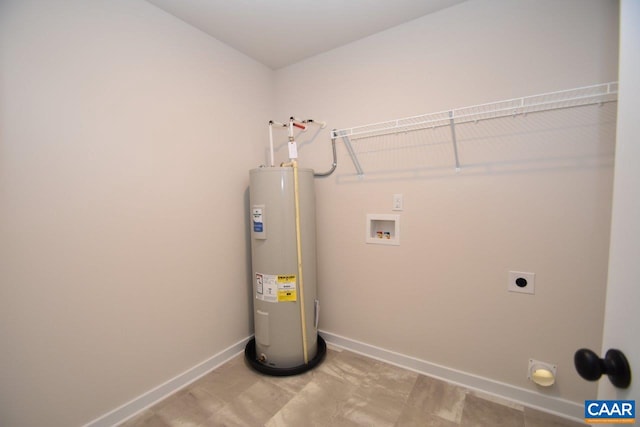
{"x":278,"y":33}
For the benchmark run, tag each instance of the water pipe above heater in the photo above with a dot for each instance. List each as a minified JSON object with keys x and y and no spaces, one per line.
{"x":296,"y":123}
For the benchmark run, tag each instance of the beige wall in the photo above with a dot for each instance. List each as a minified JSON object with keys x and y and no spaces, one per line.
{"x":125,"y":141}
{"x":534,"y":193}
{"x":126,"y":137}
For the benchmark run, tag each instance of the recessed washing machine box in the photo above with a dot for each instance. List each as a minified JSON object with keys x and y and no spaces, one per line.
{"x":383,"y":229}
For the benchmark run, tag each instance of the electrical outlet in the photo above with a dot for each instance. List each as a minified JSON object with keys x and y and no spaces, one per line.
{"x":397,"y":202}
{"x":521,"y":282}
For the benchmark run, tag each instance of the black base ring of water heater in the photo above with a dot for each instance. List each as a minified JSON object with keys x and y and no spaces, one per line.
{"x":250,"y":355}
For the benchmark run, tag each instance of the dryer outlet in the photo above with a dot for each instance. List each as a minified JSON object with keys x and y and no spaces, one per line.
{"x":521,"y":282}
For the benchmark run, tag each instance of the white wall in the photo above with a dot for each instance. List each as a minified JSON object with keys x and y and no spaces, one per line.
{"x":125,"y":140}
{"x":534,"y":193}
{"x":126,"y":137}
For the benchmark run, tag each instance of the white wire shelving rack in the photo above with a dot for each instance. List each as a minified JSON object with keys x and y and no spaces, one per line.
{"x":586,"y":95}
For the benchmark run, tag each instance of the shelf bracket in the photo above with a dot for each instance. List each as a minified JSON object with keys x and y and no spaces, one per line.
{"x":453,"y":139}
{"x":352,"y":154}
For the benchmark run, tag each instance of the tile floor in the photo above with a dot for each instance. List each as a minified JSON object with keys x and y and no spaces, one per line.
{"x":347,"y":389}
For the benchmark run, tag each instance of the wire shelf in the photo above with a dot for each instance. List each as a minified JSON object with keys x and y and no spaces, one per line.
{"x":587,"y":95}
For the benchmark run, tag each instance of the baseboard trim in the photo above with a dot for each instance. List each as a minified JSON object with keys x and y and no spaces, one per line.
{"x":554,"y":405}
{"x":176,"y":383}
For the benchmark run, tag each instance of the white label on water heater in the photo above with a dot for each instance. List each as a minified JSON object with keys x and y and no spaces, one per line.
{"x":266,"y":287}
{"x":257,"y":222}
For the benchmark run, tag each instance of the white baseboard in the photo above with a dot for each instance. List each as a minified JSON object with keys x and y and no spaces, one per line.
{"x":556,"y":406}
{"x":553,"y":405}
{"x":176,"y":383}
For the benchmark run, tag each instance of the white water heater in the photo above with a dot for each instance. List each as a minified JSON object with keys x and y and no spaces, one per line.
{"x":283,"y":253}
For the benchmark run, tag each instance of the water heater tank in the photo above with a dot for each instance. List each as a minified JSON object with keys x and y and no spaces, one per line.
{"x":278,"y":290}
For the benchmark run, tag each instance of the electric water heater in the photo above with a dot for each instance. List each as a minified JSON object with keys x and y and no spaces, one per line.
{"x":283,"y":253}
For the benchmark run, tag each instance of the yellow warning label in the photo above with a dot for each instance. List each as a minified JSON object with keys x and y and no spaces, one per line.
{"x":287,"y":295}
{"x":287,"y":287}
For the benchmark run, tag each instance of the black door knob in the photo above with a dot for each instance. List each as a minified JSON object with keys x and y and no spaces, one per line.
{"x":614,"y":365}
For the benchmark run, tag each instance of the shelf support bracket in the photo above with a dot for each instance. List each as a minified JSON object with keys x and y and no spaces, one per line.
{"x":453,"y":139}
{"x":352,"y":154}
